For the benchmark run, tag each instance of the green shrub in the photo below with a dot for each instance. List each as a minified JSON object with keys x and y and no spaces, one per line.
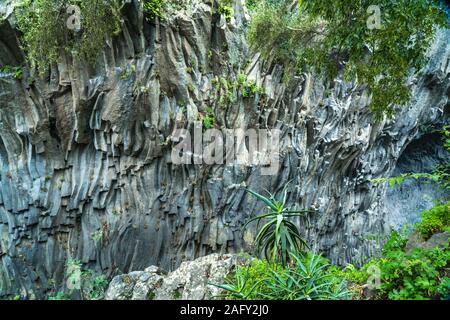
{"x":249,"y":282}
{"x":419,"y":275}
{"x":92,"y":286}
{"x":422,"y":274}
{"x":309,"y":277}
{"x":252,"y":4}
{"x":435,"y":220}
{"x":278,"y":237}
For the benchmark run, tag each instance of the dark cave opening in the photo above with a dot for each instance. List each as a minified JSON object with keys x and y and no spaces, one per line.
{"x":405,"y":202}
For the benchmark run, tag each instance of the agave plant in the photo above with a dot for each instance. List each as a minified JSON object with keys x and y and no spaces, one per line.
{"x":307,"y":279}
{"x":238,"y":287}
{"x":278,"y":237}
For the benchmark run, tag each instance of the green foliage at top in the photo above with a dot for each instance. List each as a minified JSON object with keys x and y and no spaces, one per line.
{"x":46,"y":35}
{"x":279,"y":237}
{"x":92,"y":286}
{"x":435,"y":220}
{"x":155,"y":9}
{"x":309,"y":277}
{"x":332,"y":36}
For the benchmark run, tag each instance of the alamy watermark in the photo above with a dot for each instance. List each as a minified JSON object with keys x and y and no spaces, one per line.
{"x":374,"y":19}
{"x":74,"y":20}
{"x":246,"y":147}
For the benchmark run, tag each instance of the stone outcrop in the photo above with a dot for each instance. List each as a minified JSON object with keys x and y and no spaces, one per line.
{"x":85,"y":155}
{"x":193,"y":280}
{"x":416,"y":240}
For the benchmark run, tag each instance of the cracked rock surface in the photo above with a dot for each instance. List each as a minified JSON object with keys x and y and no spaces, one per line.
{"x":85,"y":155}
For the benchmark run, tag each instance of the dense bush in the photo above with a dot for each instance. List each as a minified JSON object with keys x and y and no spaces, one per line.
{"x":421,"y":274}
{"x":308,"y":277}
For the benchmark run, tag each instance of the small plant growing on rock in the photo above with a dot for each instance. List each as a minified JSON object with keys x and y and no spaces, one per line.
{"x":225,"y":8}
{"x":155,"y":9}
{"x":209,"y":119}
{"x":15,"y":72}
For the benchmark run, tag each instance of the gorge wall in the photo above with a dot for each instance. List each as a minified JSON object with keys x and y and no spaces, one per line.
{"x":85,"y":155}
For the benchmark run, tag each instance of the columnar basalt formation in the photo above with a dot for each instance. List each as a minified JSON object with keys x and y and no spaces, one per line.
{"x":85,"y":154}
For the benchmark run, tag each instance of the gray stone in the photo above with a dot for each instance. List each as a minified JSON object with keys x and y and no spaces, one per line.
{"x":438,"y":240}
{"x":191,"y":281}
{"x":416,"y":240}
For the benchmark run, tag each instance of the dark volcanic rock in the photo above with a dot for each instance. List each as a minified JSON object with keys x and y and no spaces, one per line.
{"x":85,"y":163}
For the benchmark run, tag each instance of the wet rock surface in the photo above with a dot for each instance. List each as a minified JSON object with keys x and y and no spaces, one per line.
{"x":85,"y":155}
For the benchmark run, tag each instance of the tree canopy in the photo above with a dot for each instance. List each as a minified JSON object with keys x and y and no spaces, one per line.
{"x":342,"y":37}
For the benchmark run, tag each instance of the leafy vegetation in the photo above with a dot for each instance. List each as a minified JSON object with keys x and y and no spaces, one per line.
{"x":58,"y":296}
{"x":91,"y":285}
{"x":44,"y":25}
{"x":333,"y":37}
{"x":421,"y":274}
{"x":155,"y":9}
{"x":209,"y":119}
{"x":226,"y":8}
{"x":418,"y":275}
{"x":278,"y":238}
{"x":309,"y":277}
{"x":435,"y":220}
{"x":246,"y":88}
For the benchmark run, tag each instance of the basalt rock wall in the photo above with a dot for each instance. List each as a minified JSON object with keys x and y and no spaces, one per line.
{"x":86,"y":170}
